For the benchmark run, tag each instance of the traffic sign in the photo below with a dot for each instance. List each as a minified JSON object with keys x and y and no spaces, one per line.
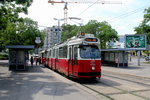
{"x":37,"y":40}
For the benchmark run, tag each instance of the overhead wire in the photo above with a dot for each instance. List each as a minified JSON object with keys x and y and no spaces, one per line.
{"x":120,"y":16}
{"x":128,"y":13}
{"x":88,"y":8}
{"x":115,"y":18}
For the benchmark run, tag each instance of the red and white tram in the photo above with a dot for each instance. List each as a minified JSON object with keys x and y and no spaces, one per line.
{"x":78,"y":57}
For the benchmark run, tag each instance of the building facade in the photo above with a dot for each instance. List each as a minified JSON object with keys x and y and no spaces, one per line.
{"x":53,"y":36}
{"x":118,"y":44}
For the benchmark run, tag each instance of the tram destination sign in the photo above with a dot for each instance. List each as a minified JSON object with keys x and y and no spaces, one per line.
{"x":135,"y":41}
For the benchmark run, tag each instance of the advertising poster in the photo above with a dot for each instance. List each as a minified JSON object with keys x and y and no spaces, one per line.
{"x":135,"y":41}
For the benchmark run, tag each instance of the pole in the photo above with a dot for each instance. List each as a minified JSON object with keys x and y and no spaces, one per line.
{"x":58,"y":23}
{"x":139,"y":58}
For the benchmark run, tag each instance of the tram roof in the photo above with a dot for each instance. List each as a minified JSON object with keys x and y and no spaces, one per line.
{"x":123,"y":49}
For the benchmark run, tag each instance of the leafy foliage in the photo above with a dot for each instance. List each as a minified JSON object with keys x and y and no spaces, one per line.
{"x":102,"y":30}
{"x":9,"y":11}
{"x":22,"y":33}
{"x":144,"y":27}
{"x":26,"y":3}
{"x":69,"y":31}
{"x":13,"y":29}
{"x":3,"y":56}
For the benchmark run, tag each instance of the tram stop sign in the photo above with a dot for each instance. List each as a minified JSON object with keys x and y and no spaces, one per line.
{"x":38,"y":41}
{"x":135,"y":41}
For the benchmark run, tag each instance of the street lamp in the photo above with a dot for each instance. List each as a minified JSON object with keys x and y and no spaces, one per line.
{"x":80,"y":24}
{"x":58,"y":21}
{"x":76,"y":19}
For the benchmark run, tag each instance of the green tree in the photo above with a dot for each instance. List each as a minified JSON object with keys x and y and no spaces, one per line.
{"x":28,"y":31}
{"x":69,"y":31}
{"x":144,"y":27}
{"x":10,"y":9}
{"x":91,"y":27}
{"x":101,"y":30}
{"x":21,"y":33}
{"x":13,"y":29}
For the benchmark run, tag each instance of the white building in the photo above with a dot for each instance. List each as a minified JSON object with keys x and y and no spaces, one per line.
{"x":53,"y":36}
{"x":118,"y":44}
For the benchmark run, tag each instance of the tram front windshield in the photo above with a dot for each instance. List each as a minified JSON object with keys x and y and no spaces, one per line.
{"x":89,"y":51}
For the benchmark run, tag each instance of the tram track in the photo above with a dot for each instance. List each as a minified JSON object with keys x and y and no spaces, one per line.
{"x":123,"y":92}
{"x":99,"y":86}
{"x":110,"y":87}
{"x":126,"y":79}
{"x":126,"y":92}
{"x":104,"y":84}
{"x":125,"y":74}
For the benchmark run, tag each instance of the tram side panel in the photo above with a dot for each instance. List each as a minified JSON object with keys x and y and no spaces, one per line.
{"x":89,"y":68}
{"x":63,"y":66}
{"x":72,"y":67}
{"x":49,"y":62}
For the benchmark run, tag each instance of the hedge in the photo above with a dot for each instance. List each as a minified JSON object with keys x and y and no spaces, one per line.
{"x":3,"y":56}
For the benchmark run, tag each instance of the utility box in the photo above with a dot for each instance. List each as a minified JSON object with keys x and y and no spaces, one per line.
{"x":19,"y":56}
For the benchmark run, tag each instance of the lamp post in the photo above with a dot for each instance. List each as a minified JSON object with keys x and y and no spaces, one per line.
{"x":80,"y":24}
{"x":58,"y":21}
{"x":71,"y":18}
{"x":76,"y":18}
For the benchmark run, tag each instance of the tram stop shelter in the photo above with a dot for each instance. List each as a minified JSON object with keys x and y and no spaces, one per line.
{"x":19,"y":56}
{"x":116,"y":57}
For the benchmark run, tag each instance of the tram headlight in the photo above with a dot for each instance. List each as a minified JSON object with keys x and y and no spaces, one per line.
{"x":93,"y":68}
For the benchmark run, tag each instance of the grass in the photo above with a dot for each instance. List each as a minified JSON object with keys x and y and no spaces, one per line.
{"x":147,"y":62}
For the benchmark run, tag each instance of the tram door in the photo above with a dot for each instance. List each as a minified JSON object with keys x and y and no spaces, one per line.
{"x":72,"y":59}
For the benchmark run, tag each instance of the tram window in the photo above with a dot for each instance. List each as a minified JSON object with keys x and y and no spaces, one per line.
{"x":53,"y":52}
{"x":45,"y":54}
{"x":89,"y":51}
{"x":60,"y":52}
{"x":75,"y":53}
{"x":70,"y":53}
{"x":65,"y":52}
{"x":57,"y":53}
{"x":50,"y":53}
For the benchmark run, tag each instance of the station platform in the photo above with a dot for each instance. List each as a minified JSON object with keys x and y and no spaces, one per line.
{"x":142,"y":71}
{"x":40,"y":83}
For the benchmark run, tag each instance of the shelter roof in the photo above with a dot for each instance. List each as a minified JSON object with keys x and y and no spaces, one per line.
{"x":20,"y":46}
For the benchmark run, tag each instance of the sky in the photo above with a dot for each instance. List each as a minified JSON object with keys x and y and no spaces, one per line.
{"x":123,"y":17}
